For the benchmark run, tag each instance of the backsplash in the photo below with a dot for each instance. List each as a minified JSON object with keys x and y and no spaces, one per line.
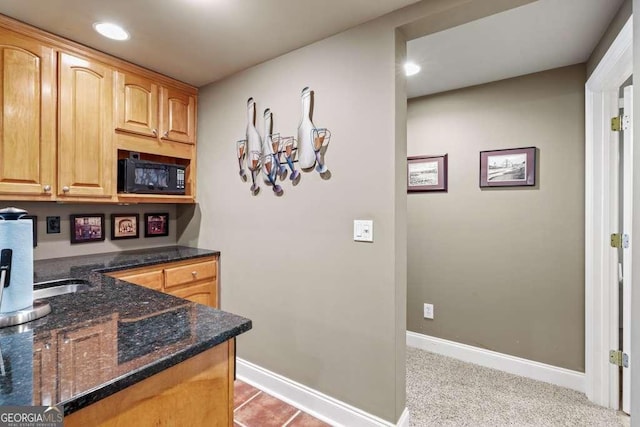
{"x":58,"y":245}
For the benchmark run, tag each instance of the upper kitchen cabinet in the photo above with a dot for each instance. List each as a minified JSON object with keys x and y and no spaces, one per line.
{"x":178,"y":115}
{"x":153,"y":108}
{"x":27,"y":119}
{"x":86,"y":154}
{"x":69,"y":113}
{"x":155,"y":117}
{"x":136,"y":104}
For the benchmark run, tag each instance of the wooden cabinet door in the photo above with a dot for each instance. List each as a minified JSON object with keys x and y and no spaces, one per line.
{"x":44,"y":365}
{"x":136,"y":108}
{"x":203,"y":293}
{"x":178,"y":111}
{"x":86,"y":161}
{"x":28,"y":116}
{"x":87,"y":356}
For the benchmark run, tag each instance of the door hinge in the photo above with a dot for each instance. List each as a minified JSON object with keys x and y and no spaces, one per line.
{"x":619,"y":240}
{"x":620,"y":123}
{"x":618,"y":358}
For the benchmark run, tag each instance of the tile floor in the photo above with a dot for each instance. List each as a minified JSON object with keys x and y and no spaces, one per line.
{"x":255,"y":408}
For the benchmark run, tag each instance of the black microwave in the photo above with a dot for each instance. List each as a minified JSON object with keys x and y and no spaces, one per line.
{"x":144,"y":177}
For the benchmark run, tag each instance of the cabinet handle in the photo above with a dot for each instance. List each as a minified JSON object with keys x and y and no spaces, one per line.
{"x":154,"y":132}
{"x":194,"y":273}
{"x":65,"y":189}
{"x":166,"y":134}
{"x":47,"y":188}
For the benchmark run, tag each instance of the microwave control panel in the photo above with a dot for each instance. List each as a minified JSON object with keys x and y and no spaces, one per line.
{"x":180,"y":179}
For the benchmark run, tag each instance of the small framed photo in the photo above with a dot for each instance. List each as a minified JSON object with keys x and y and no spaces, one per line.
{"x":53,"y":225}
{"x":156,"y":224}
{"x":34,"y":221}
{"x":125,"y":226}
{"x":87,"y":228}
{"x":508,"y":168}
{"x":427,"y":173}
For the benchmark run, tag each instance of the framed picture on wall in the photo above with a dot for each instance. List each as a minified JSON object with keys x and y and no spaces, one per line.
{"x":125,"y":226}
{"x":508,"y":168}
{"x":34,"y":221}
{"x":87,"y":228}
{"x":156,"y":224}
{"x":427,"y":173}
{"x":53,"y":225}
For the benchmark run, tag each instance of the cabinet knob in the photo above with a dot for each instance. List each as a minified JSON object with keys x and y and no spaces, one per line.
{"x":65,"y":189}
{"x":46,"y":188}
{"x":47,"y":346}
{"x":154,"y":132}
{"x":166,"y":134}
{"x":194,"y":273}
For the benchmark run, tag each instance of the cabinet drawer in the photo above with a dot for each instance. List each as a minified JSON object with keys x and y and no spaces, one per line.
{"x":151,"y":279}
{"x":177,"y":276}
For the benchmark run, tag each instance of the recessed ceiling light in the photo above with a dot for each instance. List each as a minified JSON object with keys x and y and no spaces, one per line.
{"x":112,"y":31}
{"x":410,"y":68}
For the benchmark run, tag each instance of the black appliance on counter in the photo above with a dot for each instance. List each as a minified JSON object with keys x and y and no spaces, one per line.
{"x":145,"y":177}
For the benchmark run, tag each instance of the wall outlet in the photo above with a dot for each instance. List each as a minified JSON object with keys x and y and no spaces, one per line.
{"x":428,"y":311}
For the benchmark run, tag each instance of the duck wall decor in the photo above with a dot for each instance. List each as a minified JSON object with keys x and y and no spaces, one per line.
{"x":266,"y":153}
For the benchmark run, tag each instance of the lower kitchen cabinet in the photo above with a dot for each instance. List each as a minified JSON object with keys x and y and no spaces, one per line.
{"x":200,"y":293}
{"x":81,"y":357}
{"x":44,"y":362}
{"x":86,"y":357}
{"x":194,"y":280}
{"x":195,"y":392}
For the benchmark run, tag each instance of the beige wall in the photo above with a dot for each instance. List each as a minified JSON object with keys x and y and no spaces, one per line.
{"x":400,"y":225}
{"x":616,"y":24}
{"x":323,"y":306}
{"x":503,"y":267}
{"x":327,"y":312}
{"x":57,"y":245}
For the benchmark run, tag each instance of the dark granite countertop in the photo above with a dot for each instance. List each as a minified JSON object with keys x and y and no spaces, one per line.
{"x":129,"y":332}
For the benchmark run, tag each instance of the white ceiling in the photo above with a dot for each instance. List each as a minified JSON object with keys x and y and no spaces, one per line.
{"x":538,"y":36}
{"x":199,"y":41}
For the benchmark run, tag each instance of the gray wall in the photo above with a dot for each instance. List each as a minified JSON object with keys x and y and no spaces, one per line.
{"x":328,"y":312}
{"x":503,"y":267}
{"x":57,"y":245}
{"x":323,"y":306}
{"x":616,"y":24}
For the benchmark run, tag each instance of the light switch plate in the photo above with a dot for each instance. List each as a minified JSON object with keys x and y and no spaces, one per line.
{"x":363,"y":230}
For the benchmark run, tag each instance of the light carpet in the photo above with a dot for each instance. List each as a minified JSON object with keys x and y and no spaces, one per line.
{"x":442,"y":391}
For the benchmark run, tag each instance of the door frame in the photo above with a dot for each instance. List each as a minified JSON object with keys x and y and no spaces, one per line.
{"x":601,"y":270}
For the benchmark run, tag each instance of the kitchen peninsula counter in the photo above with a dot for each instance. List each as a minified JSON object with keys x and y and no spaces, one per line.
{"x":105,"y":339}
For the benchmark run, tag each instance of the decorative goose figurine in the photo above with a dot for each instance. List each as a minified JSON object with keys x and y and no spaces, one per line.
{"x":306,"y":153}
{"x":267,"y":146}
{"x":254,"y":144}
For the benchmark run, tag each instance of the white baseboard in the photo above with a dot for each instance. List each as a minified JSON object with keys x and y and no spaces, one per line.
{"x":404,"y":418}
{"x":503,"y":362}
{"x":321,"y":406}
